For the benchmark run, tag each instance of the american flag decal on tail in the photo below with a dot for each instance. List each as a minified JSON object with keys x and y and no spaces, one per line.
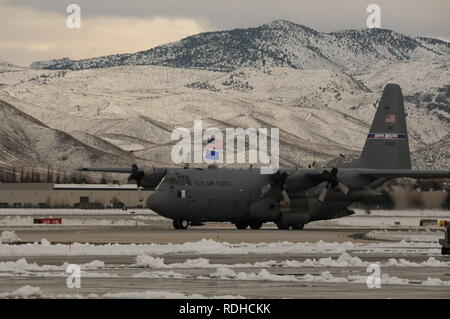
{"x":390,"y":118}
{"x":213,"y":148}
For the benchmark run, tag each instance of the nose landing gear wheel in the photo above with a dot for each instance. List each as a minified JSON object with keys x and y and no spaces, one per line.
{"x":297,"y":226}
{"x":180,"y":224}
{"x":241,"y":225}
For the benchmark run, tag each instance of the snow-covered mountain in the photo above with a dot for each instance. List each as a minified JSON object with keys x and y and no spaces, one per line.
{"x":318,"y":88}
{"x":25,"y":141}
{"x":280,"y":43}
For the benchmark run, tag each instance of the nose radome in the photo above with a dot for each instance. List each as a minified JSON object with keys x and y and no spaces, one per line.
{"x":157,"y":201}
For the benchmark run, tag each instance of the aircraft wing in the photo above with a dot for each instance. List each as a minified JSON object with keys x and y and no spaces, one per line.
{"x":399,"y":173}
{"x":106,"y":170}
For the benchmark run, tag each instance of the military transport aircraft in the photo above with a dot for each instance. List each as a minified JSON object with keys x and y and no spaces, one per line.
{"x":289,"y":198}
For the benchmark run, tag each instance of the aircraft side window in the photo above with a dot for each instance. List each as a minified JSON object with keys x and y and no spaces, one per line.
{"x":181,"y":193}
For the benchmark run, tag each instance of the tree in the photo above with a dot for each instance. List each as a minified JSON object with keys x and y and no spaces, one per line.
{"x":58,"y":177}
{"x":13,"y":175}
{"x":49,"y":175}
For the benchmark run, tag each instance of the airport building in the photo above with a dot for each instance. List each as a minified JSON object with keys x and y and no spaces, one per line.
{"x":93,"y":196}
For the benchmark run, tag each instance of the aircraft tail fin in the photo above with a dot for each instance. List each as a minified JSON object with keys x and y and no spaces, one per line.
{"x":387,"y":145}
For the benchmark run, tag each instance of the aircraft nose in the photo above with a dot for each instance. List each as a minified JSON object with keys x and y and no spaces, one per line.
{"x":157,"y":201}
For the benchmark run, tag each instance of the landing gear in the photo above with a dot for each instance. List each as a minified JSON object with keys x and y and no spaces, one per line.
{"x":241,"y":225}
{"x":282,"y":226}
{"x":256,"y":225}
{"x":180,"y":224}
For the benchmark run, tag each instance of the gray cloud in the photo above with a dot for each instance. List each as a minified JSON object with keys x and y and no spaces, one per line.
{"x":413,"y":17}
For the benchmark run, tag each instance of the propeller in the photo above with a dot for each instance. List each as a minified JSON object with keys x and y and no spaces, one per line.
{"x":332,"y":182}
{"x":278,"y":180}
{"x":137,"y":175}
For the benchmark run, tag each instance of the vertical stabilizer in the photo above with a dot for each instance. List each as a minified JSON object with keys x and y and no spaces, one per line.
{"x":387,"y":145}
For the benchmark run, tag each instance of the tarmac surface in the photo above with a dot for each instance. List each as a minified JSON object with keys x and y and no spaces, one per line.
{"x":121,"y":274}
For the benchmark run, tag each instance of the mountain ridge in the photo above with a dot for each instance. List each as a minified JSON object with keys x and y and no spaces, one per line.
{"x":280,"y":43}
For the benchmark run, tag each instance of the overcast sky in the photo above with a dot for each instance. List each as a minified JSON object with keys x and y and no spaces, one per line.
{"x":33,"y":30}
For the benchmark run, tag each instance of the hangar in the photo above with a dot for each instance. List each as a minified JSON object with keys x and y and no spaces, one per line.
{"x":89,"y":196}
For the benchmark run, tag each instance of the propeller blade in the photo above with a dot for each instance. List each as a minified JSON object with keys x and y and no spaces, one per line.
{"x":141,"y":198}
{"x":323,"y":194}
{"x":285,"y":196}
{"x":136,"y":175}
{"x":266,"y":188}
{"x":343,"y":188}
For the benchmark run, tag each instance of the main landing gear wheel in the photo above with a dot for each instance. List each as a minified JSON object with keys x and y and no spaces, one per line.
{"x":282,"y":226}
{"x":241,"y":225}
{"x":256,"y":225}
{"x":297,"y":226}
{"x":180,"y":224}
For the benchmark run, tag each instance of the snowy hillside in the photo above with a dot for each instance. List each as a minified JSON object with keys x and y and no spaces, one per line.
{"x":26,"y":141}
{"x":279,"y":43}
{"x":312,"y":92}
{"x":320,"y":113}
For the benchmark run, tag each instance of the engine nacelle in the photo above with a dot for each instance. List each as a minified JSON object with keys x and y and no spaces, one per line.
{"x":152,"y":178}
{"x":266,"y":209}
{"x":298,"y":182}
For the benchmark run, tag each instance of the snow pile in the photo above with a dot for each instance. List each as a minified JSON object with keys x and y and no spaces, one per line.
{"x":35,"y":292}
{"x":324,"y":277}
{"x":76,"y":212}
{"x":160,"y":275}
{"x":8,"y":237}
{"x":343,"y":260}
{"x":262,"y":275}
{"x":208,"y":246}
{"x":22,"y":266}
{"x":28,"y":221}
{"x":429,"y":237}
{"x":430,"y":262}
{"x":23,"y":292}
{"x":159,"y":295}
{"x":436,"y":282}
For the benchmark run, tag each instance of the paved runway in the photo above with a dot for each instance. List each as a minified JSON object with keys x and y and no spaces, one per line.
{"x":164,"y":234}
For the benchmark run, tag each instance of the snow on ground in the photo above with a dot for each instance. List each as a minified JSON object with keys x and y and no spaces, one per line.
{"x":36,"y":292}
{"x":205,"y":246}
{"x":8,"y":237}
{"x":324,"y":277}
{"x":23,"y":292}
{"x":384,"y":219}
{"x":76,"y":211}
{"x":22,"y":266}
{"x":376,"y":219}
{"x":343,"y":260}
{"x":415,"y":236}
{"x":28,"y":221}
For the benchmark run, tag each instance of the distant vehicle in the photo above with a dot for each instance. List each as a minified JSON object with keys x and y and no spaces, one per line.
{"x":4,"y":205}
{"x":42,"y":205}
{"x":16,"y":205}
{"x":27,"y":205}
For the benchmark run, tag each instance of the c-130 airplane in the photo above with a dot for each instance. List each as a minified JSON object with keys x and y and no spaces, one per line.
{"x":290,"y":198}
